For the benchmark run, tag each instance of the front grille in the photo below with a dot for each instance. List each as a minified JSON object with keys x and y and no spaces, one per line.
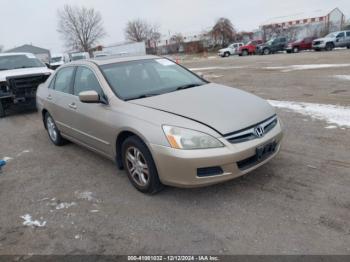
{"x":250,"y":133}
{"x":26,"y":86}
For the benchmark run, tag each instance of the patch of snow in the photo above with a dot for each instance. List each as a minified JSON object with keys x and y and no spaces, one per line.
{"x":77,"y":237}
{"x":32,"y":223}
{"x":65,"y":205}
{"x":291,"y":68}
{"x":214,"y":76}
{"x":94,"y":211}
{"x":7,"y":159}
{"x":216,"y":68}
{"x":330,"y":127}
{"x":313,"y":167}
{"x":23,"y":152}
{"x":343,"y":77}
{"x":86,"y":195}
{"x":333,"y":114}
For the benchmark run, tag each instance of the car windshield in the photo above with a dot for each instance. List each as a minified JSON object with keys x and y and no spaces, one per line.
{"x":331,"y":35}
{"x":56,"y":59}
{"x":149,"y":77}
{"x":10,"y":62}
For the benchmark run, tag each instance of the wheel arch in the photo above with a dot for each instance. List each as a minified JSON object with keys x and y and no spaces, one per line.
{"x":43,"y":113}
{"x":121,"y":137}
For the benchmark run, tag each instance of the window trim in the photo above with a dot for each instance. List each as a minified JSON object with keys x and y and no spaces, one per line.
{"x":72,"y":78}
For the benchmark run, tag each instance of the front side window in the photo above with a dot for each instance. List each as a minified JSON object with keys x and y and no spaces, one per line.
{"x":340,"y":35}
{"x":63,"y":82}
{"x":149,"y":77}
{"x":10,"y":62}
{"x":85,"y":80}
{"x":348,"y":34}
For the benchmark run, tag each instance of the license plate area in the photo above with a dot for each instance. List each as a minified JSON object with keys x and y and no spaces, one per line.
{"x":264,"y":151}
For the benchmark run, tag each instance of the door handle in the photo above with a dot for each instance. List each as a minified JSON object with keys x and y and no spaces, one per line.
{"x":49,"y":97}
{"x":73,"y":106}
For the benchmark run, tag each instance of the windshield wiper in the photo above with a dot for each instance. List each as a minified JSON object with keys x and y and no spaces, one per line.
{"x":141,"y":96}
{"x":187,"y":86}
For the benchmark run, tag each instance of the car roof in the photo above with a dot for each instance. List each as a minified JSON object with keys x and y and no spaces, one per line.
{"x":105,"y":60}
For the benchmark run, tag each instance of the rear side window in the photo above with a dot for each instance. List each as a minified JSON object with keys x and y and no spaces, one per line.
{"x":63,"y":81}
{"x":348,"y":33}
{"x":85,"y":80}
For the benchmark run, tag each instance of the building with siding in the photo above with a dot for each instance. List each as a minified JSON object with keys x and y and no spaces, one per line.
{"x":316,"y":23}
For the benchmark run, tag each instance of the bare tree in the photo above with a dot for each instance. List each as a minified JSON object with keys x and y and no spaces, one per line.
{"x":139,"y":30}
{"x":80,"y":27}
{"x":223,"y":31}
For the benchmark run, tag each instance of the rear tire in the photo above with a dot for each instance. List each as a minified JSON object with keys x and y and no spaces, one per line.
{"x":140,"y":167}
{"x":295,"y":50}
{"x":53,"y":132}
{"x":329,"y":46}
{"x":2,"y":110}
{"x":348,"y":47}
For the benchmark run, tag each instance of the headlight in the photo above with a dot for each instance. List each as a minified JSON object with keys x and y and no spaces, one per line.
{"x":182,"y":138}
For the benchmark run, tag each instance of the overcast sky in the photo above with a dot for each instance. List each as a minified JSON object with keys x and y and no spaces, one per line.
{"x":35,"y":21}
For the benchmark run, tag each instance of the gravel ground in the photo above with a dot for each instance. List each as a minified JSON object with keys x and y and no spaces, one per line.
{"x":299,"y":203}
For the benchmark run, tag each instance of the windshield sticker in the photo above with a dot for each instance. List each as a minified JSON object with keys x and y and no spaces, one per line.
{"x":165,"y":62}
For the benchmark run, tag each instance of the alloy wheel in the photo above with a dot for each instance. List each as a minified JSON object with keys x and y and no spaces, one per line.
{"x":137,"y":166}
{"x":51,"y":128}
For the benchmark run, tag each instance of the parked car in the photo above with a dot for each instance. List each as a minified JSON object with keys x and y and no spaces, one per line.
{"x":162,"y":123}
{"x":332,"y":40}
{"x":58,"y":60}
{"x":249,"y":48}
{"x":232,"y":49}
{"x":20,"y":75}
{"x":79,"y":56}
{"x":300,"y":44}
{"x":272,"y":46}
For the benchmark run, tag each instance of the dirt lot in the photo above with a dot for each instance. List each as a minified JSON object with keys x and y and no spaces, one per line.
{"x":299,"y":203}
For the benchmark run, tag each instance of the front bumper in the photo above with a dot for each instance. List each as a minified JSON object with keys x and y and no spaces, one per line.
{"x":179,"y":167}
{"x":319,"y":45}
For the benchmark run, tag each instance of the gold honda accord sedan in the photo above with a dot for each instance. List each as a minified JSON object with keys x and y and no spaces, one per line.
{"x":159,"y":121}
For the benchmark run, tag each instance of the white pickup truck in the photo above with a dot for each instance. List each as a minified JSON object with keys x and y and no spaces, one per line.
{"x":20,"y":76}
{"x":232,"y":49}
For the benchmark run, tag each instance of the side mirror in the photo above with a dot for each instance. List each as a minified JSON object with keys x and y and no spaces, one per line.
{"x":89,"y":97}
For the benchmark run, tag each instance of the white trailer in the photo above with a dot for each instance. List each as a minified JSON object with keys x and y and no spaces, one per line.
{"x":135,"y":48}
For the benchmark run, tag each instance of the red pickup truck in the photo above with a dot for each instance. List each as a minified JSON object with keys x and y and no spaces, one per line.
{"x":249,"y":48}
{"x":301,"y":44}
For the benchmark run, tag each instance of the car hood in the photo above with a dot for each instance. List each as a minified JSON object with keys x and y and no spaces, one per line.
{"x":325,"y":39}
{"x":222,"y":108}
{"x":24,"y":72}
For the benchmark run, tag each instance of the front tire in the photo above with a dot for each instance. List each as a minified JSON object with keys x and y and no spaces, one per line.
{"x":245,"y":53}
{"x":329,"y":46}
{"x":2,"y":110}
{"x":140,"y":167}
{"x":226,"y":54}
{"x":53,"y":132}
{"x":266,"y":51}
{"x":295,"y":50}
